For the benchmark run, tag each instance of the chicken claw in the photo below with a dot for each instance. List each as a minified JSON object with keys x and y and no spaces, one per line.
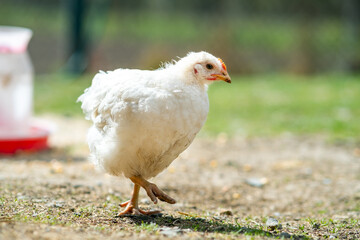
{"x":152,"y":190}
{"x":124,"y":204}
{"x":131,"y":209}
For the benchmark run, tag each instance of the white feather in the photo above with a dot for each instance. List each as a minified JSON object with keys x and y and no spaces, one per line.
{"x":144,"y":119}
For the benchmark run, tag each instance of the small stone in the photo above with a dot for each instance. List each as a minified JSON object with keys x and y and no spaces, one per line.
{"x":256,"y":182}
{"x":236,"y":195}
{"x":226,"y":213}
{"x":327,"y":181}
{"x":225,"y":189}
{"x":332,"y":237}
{"x":38,"y":200}
{"x":170,"y":232}
{"x":288,"y":164}
{"x":58,"y":204}
{"x":22,"y":197}
{"x":56,"y":167}
{"x":272,"y":223}
{"x":292,"y":228}
{"x":213,"y":164}
{"x":247,"y":168}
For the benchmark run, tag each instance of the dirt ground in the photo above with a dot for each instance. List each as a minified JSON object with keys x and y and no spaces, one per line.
{"x":240,"y":188}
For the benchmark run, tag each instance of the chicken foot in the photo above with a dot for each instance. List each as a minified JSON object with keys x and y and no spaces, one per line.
{"x":152,"y":190}
{"x":132,"y":207}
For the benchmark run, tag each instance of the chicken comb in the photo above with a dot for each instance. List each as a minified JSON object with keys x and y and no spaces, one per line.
{"x":222,"y":64}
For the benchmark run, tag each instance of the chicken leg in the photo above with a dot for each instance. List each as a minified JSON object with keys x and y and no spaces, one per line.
{"x":132,"y":206}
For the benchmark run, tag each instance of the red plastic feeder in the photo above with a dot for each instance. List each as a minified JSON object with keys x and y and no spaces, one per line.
{"x":17,"y":133}
{"x":34,"y":141}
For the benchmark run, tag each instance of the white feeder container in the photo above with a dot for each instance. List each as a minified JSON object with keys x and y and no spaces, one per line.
{"x":17,"y":133}
{"x":16,"y":82}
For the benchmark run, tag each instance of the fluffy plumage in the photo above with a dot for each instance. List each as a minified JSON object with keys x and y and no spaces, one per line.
{"x":142,"y":120}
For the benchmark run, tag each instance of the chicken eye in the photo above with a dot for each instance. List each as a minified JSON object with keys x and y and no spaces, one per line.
{"x":209,"y":66}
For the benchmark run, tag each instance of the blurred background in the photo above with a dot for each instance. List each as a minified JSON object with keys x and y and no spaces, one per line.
{"x":253,"y":36}
{"x":295,"y":64}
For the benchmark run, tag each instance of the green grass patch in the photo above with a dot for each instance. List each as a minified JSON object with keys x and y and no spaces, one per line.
{"x":58,"y":94}
{"x":263,"y":105}
{"x":270,"y":105}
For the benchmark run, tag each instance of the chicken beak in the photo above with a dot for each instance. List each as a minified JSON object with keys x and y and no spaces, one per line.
{"x":223,"y":77}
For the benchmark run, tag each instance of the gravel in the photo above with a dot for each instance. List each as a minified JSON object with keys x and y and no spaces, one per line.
{"x":224,"y":190}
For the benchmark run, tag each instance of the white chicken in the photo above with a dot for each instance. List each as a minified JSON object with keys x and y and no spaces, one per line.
{"x":142,"y":120}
